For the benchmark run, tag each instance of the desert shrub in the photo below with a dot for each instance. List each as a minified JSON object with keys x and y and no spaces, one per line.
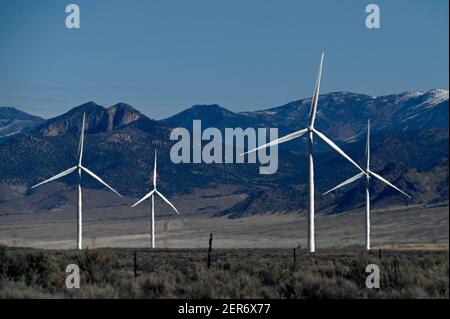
{"x":21,"y":290}
{"x":357,"y":270}
{"x":159,"y":285}
{"x":97,"y":291}
{"x":108,"y":273}
{"x":95,"y":266}
{"x":35,"y":268}
{"x":3,"y":260}
{"x":128,"y":287}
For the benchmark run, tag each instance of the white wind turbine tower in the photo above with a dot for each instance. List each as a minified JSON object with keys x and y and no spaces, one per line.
{"x":311,"y":132}
{"x":152,"y":195}
{"x":79,"y":167}
{"x":367,"y":174}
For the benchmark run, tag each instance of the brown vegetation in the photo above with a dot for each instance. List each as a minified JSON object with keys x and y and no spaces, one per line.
{"x":262,"y":273}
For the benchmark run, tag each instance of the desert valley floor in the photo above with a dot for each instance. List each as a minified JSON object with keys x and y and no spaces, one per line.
{"x":121,"y":226}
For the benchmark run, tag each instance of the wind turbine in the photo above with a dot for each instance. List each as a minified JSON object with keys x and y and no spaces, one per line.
{"x":152,"y":195}
{"x":311,"y":131}
{"x":79,"y":167}
{"x":368,"y":174}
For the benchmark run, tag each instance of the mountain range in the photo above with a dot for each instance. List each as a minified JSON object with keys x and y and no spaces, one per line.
{"x":14,"y":121}
{"x":342,"y":115}
{"x":409,"y":147}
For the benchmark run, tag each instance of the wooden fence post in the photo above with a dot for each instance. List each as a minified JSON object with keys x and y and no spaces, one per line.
{"x":210,"y":250}
{"x":295,"y":259}
{"x":135,"y":264}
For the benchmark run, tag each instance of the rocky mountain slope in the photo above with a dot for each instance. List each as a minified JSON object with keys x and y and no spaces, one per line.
{"x":14,"y":121}
{"x":342,"y":115}
{"x":409,"y":147}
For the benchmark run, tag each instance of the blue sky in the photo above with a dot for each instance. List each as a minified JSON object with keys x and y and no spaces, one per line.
{"x":162,"y":56}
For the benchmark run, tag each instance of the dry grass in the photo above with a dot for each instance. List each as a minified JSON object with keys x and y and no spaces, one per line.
{"x":414,"y":246}
{"x":242,"y":273}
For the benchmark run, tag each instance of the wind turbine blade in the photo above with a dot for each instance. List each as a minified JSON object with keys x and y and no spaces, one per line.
{"x":154,"y":172}
{"x":143,"y":198}
{"x":66,"y":172}
{"x":167,"y":201}
{"x":81,"y":143}
{"x":337,"y":149}
{"x":278,"y":141}
{"x":348,"y":181}
{"x":99,"y":179}
{"x":388,"y":183}
{"x":315,"y":98}
{"x":368,"y":145}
